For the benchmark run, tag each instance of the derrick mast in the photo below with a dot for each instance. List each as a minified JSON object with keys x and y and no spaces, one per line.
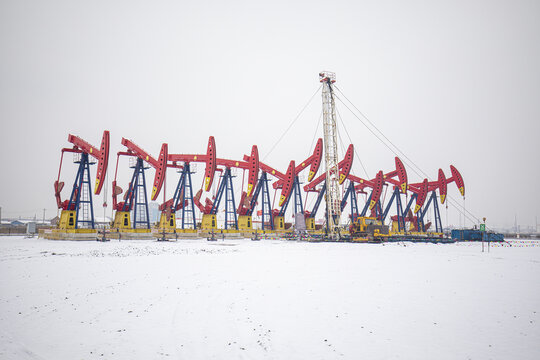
{"x":333,"y":198}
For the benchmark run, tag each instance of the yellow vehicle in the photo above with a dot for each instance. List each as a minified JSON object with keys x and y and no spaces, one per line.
{"x":368,"y":229}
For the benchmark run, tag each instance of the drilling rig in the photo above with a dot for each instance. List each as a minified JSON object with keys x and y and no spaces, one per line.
{"x":333,"y":196}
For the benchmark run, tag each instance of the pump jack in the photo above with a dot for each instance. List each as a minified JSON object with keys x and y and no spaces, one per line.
{"x":373,"y":202}
{"x":420,"y":193}
{"x":360,"y":224}
{"x":78,"y":212}
{"x":210,"y":209}
{"x":183,"y":194}
{"x":135,"y":198}
{"x":289,"y":183}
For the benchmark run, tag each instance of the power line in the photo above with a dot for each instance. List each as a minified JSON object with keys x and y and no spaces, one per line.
{"x":398,"y":152}
{"x":370,"y":130}
{"x":340,"y":139}
{"x":315,"y":134}
{"x":382,"y":134}
{"x":292,"y":123}
{"x":350,"y":140}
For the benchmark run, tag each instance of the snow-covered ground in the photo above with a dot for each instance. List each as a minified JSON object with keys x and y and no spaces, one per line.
{"x":267,"y":300}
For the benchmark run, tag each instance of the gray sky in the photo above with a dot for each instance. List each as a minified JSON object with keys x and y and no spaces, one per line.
{"x":449,"y":82}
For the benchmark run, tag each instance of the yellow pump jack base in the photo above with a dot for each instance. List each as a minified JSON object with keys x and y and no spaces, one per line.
{"x":244,"y":222}
{"x":279,"y":223}
{"x":167,"y":224}
{"x":122,"y":223}
{"x":310,"y":223}
{"x":209,"y":222}
{"x":122,"y":220}
{"x":67,"y":219}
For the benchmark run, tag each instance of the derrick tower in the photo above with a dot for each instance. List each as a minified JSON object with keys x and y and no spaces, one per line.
{"x":333,"y":198}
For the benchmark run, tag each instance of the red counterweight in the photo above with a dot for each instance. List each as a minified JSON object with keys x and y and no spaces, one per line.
{"x":210,"y":169}
{"x":377,"y":189}
{"x":401,"y":173}
{"x":456,"y":177}
{"x":209,"y":159}
{"x":344,"y":167}
{"x":442,"y":186}
{"x":421,"y":195}
{"x":285,"y":181}
{"x":313,"y":161}
{"x":288,"y":183}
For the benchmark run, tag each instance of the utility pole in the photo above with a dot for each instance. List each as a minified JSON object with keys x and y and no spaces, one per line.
{"x":43,"y":216}
{"x":333,"y":195}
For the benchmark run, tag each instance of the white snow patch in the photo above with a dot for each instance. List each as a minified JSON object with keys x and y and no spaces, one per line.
{"x":195,"y":299}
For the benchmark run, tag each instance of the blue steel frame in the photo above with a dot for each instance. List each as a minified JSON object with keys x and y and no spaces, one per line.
{"x":297,"y":199}
{"x":437,"y":214}
{"x":409,"y":204}
{"x":399,"y":209}
{"x":79,"y":183}
{"x":419,"y":218}
{"x":318,"y":201}
{"x":183,"y":193}
{"x":265,"y":203}
{"x":378,"y":208}
{"x":136,"y":186}
{"x":354,"y":203}
{"x":298,"y":206}
{"x":230,"y":208}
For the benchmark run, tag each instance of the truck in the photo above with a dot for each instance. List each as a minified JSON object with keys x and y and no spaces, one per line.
{"x":368,"y":229}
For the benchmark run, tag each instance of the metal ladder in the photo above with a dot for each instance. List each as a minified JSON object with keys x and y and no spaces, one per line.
{"x":298,"y":207}
{"x":230,"y":208}
{"x":84,"y":206}
{"x":141,"y":219}
{"x":188,"y":207}
{"x":354,"y":202}
{"x":266,"y":207}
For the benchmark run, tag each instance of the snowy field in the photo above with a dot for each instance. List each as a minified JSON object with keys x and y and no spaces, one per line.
{"x":267,"y":300}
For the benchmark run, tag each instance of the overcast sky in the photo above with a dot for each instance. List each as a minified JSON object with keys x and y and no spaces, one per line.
{"x":448,"y":82}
